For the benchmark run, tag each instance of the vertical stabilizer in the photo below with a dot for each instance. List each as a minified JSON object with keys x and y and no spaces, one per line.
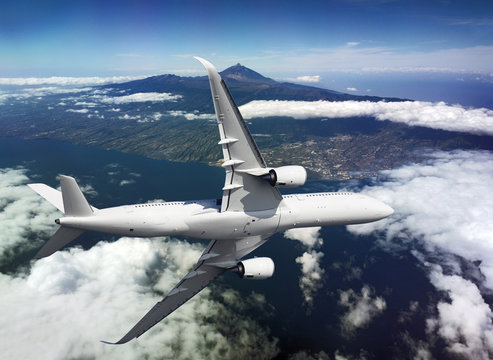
{"x":74,"y":202}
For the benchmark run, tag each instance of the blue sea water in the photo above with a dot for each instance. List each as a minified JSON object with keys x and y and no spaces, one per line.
{"x":117,"y":178}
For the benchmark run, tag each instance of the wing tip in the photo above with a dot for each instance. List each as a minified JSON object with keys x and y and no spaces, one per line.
{"x":107,"y":342}
{"x":208,"y":66}
{"x":122,"y":341}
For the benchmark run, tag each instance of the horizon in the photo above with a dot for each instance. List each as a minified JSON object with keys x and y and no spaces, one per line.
{"x":452,"y":88}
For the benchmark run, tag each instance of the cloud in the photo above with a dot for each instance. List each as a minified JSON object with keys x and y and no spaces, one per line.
{"x":351,"y":89}
{"x":465,"y":321}
{"x":25,"y":217}
{"x":63,"y":305}
{"x":192,"y":116}
{"x":308,"y":78}
{"x":85,"y":103}
{"x":354,"y":58}
{"x":80,"y":111}
{"x":352,"y":43}
{"x":127,"y":182}
{"x":458,"y":182}
{"x":362,"y":308}
{"x":310,"y":236}
{"x":140,"y":97}
{"x":27,"y":93}
{"x":73,"y":299}
{"x":129,"y":117}
{"x":413,"y":113}
{"x":68,"y":81}
{"x":311,"y":271}
{"x":443,"y":214}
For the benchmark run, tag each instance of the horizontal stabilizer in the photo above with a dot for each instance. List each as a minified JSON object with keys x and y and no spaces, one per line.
{"x":62,"y":237}
{"x":52,"y":195}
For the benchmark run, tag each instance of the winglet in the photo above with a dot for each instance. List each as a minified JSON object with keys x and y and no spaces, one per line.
{"x":107,"y":342}
{"x":211,"y":70}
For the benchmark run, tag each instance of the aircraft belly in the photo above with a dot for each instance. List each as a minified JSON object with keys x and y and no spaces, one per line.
{"x":232,"y":225}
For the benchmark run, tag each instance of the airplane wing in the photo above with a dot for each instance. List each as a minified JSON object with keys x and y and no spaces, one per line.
{"x":244,"y":189}
{"x":216,"y":258}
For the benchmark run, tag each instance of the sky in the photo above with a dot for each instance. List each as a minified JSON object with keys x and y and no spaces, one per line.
{"x":302,"y":41}
{"x":278,"y":38}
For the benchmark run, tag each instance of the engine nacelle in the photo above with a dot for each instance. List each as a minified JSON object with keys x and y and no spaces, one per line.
{"x":256,"y":268}
{"x":290,"y":176}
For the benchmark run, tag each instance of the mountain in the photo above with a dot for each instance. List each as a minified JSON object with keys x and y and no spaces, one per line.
{"x":243,"y":74}
{"x":184,"y":129}
{"x":245,"y":85}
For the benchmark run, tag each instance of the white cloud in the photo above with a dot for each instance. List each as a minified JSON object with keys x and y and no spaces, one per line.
{"x":139,"y":97}
{"x":308,"y":78}
{"x":443,"y":201}
{"x":126,"y":182}
{"x":68,"y":81}
{"x":311,"y":271}
{"x":129,"y":117}
{"x":310,"y":236}
{"x":192,"y":116}
{"x":351,"y":89}
{"x":354,"y":58}
{"x":361,"y":308}
{"x":73,"y":299}
{"x":352,"y":43}
{"x":27,"y":93}
{"x":85,"y":103}
{"x":80,"y":111}
{"x":413,"y":113}
{"x":465,"y":321}
{"x":61,"y":306}
{"x":25,"y":217}
{"x":443,"y":211}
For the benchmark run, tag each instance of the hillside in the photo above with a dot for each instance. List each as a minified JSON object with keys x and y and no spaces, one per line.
{"x":180,"y":125}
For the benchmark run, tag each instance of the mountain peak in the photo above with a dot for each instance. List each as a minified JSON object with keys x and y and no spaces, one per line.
{"x":239,"y":72}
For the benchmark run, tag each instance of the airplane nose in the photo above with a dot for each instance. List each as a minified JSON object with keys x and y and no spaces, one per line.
{"x":384,"y":210}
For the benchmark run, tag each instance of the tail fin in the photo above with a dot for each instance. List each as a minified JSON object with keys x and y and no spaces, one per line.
{"x":70,"y":200}
{"x":74,"y":202}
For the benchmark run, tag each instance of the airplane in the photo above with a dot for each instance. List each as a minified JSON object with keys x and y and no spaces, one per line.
{"x":250,"y":210}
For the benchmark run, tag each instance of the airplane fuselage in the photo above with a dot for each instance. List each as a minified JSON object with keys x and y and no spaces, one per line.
{"x":202,"y":219}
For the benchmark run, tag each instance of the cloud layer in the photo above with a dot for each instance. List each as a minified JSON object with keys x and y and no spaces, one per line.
{"x":139,"y":97}
{"x":68,"y":81}
{"x":442,"y":212}
{"x":61,"y":306}
{"x":413,"y":113}
{"x":23,"y":216}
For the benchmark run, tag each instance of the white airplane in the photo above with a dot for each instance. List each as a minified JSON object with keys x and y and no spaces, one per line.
{"x":251,"y":210}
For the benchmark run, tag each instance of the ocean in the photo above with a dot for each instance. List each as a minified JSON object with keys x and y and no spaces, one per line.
{"x":349,"y":270}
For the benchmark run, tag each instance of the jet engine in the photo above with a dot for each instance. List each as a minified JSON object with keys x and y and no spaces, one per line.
{"x":257,"y":268}
{"x":290,"y":176}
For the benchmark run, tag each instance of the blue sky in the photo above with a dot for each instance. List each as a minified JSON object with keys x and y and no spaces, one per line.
{"x":278,"y":38}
